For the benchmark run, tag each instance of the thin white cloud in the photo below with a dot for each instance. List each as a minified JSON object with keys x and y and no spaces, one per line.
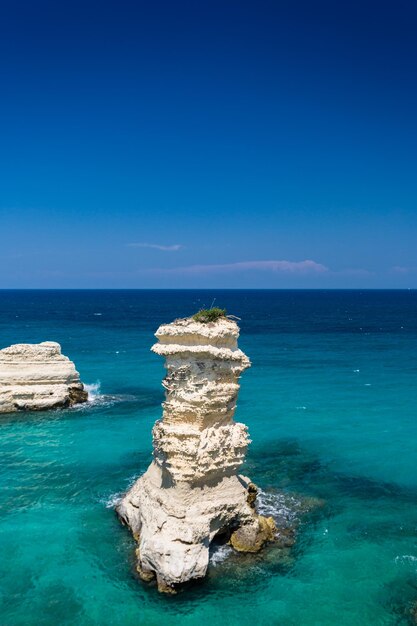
{"x":358,"y":272}
{"x":156,"y":246}
{"x":399,"y":269}
{"x":285,"y":267}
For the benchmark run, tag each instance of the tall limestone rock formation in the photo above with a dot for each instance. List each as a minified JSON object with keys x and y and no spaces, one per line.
{"x":36,"y":377}
{"x":192,"y":492}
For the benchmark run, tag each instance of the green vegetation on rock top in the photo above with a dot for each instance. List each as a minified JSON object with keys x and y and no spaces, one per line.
{"x":209,"y":315}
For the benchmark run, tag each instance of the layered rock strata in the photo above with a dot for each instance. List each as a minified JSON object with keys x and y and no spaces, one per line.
{"x":36,"y":377}
{"x":192,"y":490}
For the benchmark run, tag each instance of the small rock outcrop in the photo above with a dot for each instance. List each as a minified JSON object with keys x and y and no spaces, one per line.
{"x":36,"y":377}
{"x":192,"y":491}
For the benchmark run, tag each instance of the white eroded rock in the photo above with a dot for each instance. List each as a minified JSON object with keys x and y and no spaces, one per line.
{"x":35,"y":377}
{"x":191,"y":492}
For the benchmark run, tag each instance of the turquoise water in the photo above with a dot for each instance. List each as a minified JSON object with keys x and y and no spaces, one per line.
{"x":331,"y":406}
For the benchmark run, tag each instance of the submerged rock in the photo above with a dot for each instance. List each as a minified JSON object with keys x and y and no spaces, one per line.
{"x":192,"y":492}
{"x":251,"y":538}
{"x":36,"y":377}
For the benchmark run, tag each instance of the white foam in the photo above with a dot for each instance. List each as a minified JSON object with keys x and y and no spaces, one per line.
{"x":277,"y":505}
{"x":112,"y":501}
{"x":405,"y":558}
{"x":93,"y":390}
{"x":220,"y":554}
{"x":96,"y":398}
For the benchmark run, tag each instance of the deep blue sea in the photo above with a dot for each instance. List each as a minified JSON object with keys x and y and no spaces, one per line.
{"x":331,"y":405}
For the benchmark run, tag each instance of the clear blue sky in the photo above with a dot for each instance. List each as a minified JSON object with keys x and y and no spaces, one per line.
{"x":208,"y":144}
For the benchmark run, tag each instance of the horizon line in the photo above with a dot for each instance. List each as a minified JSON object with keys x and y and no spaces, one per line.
{"x":208,"y":289}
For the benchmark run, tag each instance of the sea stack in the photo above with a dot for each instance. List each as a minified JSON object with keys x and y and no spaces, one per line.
{"x":192,"y":491}
{"x":36,"y":377}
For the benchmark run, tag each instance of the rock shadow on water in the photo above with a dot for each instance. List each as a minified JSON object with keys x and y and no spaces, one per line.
{"x":286,"y":464}
{"x":55,"y":601}
{"x":399,"y":599}
{"x":282,"y":463}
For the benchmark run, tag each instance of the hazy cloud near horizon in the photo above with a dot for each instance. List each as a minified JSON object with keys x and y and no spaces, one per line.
{"x":297,"y":267}
{"x":399,"y":269}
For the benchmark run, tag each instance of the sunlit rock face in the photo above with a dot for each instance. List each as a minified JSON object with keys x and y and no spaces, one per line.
{"x":36,"y":377}
{"x":192,"y":492}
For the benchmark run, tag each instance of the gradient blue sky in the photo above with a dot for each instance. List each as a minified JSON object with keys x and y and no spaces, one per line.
{"x":208,"y":144}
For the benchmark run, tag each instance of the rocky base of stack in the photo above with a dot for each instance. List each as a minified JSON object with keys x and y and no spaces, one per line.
{"x":175,"y":526}
{"x":37,"y":377}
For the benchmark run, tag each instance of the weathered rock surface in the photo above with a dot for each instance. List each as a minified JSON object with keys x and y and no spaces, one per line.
{"x":35,"y":377}
{"x":192,"y":491}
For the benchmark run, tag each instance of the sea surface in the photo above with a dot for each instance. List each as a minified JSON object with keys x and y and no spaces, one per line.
{"x":331,"y":405}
